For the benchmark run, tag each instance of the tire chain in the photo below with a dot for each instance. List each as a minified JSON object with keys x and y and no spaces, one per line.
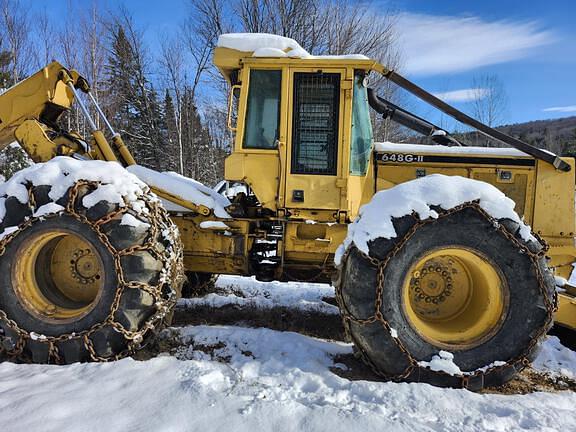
{"x":413,"y":369}
{"x":172,"y":274}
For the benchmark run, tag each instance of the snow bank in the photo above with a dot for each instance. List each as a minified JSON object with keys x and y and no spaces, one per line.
{"x":265,"y":381}
{"x":117,"y":185}
{"x":421,"y":148}
{"x":270,"y":45}
{"x":183,"y":187}
{"x":248,"y":292}
{"x":556,"y":359}
{"x":416,"y":196}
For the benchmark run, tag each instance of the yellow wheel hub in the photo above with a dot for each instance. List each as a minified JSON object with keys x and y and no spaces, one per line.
{"x":59,"y":276}
{"x":455,"y":298}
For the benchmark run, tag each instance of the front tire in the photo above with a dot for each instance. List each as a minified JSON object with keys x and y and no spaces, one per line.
{"x":85,"y":283}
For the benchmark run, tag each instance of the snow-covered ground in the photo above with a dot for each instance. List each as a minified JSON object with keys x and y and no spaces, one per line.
{"x":244,"y":291}
{"x":257,"y":379}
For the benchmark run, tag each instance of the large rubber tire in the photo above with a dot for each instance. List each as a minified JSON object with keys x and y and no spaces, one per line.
{"x":138,"y":279}
{"x":390,"y":343}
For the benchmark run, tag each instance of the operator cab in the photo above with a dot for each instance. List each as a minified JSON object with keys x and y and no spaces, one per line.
{"x":303,"y":135}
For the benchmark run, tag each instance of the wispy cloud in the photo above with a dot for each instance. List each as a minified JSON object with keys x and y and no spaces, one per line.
{"x":564,"y":109}
{"x":463,"y":95}
{"x":446,"y":44}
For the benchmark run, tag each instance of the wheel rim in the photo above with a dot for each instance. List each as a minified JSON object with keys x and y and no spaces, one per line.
{"x":455,"y":297}
{"x":59,"y":276}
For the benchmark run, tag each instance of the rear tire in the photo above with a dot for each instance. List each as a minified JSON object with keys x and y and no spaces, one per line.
{"x":77,"y":284}
{"x":462,"y":283}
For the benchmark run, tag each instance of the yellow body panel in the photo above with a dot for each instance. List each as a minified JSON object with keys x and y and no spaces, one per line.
{"x":313,"y":242}
{"x":259,"y":170}
{"x":566,"y":314}
{"x":544,"y":197}
{"x":28,"y":100}
{"x":214,"y":251}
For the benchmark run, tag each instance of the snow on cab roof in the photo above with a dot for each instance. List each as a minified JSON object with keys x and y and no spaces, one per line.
{"x":270,"y":45}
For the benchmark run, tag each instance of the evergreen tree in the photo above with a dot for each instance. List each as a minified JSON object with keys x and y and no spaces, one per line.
{"x":4,"y":71}
{"x":134,"y":104}
{"x":171,"y":144}
{"x":12,"y":158}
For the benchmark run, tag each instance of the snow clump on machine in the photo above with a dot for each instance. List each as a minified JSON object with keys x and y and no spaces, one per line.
{"x":183,"y":187}
{"x":116,"y":185}
{"x":418,"y":196}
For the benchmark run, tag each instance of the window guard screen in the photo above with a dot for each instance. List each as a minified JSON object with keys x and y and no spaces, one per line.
{"x":315,"y":123}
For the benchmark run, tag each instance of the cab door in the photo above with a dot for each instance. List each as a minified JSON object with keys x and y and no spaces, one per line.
{"x":314,"y":154}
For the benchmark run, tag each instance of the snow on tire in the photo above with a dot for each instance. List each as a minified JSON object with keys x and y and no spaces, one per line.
{"x":90,"y":263}
{"x":441,"y":282}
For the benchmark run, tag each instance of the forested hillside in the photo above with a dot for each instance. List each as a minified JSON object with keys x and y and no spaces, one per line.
{"x":557,"y":135}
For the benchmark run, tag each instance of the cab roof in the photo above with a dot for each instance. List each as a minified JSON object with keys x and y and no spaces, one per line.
{"x":235,"y":49}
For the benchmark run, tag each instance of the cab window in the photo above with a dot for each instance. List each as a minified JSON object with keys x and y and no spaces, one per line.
{"x":263,"y":109}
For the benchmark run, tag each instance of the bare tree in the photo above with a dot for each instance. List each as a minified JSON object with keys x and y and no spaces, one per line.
{"x":15,"y":33}
{"x":172,"y":62}
{"x":46,"y":48}
{"x":490,"y":103}
{"x":320,"y":26}
{"x":254,"y":15}
{"x":94,"y":48}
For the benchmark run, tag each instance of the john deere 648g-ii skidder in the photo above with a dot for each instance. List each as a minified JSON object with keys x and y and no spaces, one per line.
{"x":91,"y":263}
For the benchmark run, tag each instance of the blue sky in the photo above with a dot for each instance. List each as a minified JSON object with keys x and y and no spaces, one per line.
{"x":529,"y":45}
{"x":539,"y":76}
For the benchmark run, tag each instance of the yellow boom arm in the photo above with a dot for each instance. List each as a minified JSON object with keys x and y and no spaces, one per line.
{"x":30,"y":110}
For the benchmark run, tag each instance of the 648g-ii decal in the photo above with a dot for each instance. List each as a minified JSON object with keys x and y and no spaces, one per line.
{"x":453,"y":159}
{"x":401,"y":157}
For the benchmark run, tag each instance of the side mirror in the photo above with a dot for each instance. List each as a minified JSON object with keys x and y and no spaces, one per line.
{"x":233,"y":101}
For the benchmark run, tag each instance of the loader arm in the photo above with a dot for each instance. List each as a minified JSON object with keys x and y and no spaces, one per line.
{"x":29,"y":114}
